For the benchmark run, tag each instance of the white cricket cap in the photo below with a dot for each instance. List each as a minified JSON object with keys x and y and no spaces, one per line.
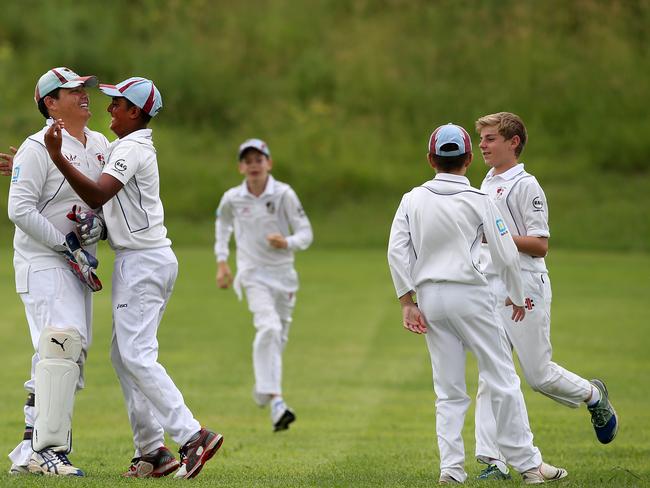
{"x":61,"y":78}
{"x":258,"y":144}
{"x":454,"y":135}
{"x":139,"y":91}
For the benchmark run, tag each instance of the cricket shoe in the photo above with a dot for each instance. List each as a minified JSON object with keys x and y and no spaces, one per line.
{"x":52,"y":463}
{"x":197,"y":451}
{"x":492,"y":472}
{"x":446,"y":479}
{"x":603,"y":415}
{"x":156,"y":464}
{"x":281,"y":415}
{"x":544,"y":473}
{"x":17,"y":470}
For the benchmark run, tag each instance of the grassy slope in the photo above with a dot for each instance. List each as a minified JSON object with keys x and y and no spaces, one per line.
{"x":360,"y":385}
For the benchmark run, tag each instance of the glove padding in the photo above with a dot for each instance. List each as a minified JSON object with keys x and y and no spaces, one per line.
{"x":82,"y":263}
{"x":90,"y":226}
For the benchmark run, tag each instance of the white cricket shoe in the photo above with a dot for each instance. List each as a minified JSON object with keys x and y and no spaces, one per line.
{"x":281,"y":415}
{"x":52,"y":463}
{"x":543,"y":474}
{"x":17,"y":470}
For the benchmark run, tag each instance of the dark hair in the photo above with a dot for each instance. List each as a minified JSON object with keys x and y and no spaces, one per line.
{"x":41,"y":103}
{"x":145,"y":118}
{"x":450,"y":163}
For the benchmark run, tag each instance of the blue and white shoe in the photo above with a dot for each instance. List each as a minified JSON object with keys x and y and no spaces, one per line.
{"x":492,"y":472}
{"x":603,"y":415}
{"x":52,"y":463}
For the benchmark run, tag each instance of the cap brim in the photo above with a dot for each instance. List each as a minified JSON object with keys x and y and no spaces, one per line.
{"x":110,"y":90}
{"x":89,"y":81}
{"x":252,"y":146}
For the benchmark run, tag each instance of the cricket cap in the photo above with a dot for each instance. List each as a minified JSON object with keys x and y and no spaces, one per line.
{"x":61,"y":78}
{"x":453,"y":138}
{"x":258,"y":144}
{"x":139,"y":91}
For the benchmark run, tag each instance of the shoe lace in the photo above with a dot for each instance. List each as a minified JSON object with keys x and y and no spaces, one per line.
{"x":62,"y":458}
{"x":599,"y":416}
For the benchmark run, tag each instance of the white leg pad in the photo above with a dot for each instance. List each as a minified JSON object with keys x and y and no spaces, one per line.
{"x":56,"y":376}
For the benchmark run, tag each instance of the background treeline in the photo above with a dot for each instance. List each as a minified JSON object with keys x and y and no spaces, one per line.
{"x":347,"y":92}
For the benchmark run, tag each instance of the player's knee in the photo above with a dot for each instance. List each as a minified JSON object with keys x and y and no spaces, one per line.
{"x":539,"y":382}
{"x":268,"y":334}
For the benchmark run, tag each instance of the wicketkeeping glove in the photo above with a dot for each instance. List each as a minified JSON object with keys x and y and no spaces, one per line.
{"x":82,"y":263}
{"x":90,"y":226}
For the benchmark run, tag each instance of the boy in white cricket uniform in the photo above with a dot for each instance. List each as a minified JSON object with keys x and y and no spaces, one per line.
{"x":433,"y":251}
{"x":54,"y":298}
{"x":522,"y":202}
{"x":144,"y":273}
{"x":269,"y":224}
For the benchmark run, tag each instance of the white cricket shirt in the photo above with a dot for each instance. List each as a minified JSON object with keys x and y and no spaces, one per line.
{"x":436,"y":236}
{"x":521,"y":201}
{"x":276,"y":210}
{"x":40,"y":198}
{"x":135,"y":216}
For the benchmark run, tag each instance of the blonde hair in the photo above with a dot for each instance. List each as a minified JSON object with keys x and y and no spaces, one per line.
{"x":508,"y":125}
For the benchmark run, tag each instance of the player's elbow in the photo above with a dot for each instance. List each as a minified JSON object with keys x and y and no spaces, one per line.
{"x":17,"y":214}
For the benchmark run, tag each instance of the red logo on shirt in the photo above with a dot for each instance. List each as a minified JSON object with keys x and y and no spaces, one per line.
{"x":100,"y":158}
{"x":501,"y":191}
{"x":529,"y":303}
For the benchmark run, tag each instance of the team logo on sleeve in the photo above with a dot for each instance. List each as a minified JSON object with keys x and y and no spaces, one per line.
{"x":119,"y":166}
{"x":501,"y":226}
{"x":14,"y":177}
{"x":538,"y":204}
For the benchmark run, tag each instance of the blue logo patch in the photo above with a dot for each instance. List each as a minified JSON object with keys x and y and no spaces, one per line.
{"x":14,"y":177}
{"x":503,"y":230}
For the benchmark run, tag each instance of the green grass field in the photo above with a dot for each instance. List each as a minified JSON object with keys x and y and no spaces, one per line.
{"x":360,"y":384}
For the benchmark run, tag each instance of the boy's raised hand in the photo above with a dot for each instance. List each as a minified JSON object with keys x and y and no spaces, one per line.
{"x":54,"y":137}
{"x":7,"y":162}
{"x":224,"y":275}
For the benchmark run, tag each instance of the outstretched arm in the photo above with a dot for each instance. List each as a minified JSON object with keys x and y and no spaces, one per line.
{"x":94,"y":193}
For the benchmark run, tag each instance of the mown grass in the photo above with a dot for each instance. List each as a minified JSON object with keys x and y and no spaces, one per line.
{"x":361,"y":386}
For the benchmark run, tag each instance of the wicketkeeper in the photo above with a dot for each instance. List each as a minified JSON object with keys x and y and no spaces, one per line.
{"x":54,"y":275}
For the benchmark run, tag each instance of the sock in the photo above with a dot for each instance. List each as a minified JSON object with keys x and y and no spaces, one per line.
{"x":595,"y":397}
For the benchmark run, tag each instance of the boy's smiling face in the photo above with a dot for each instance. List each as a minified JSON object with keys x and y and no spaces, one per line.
{"x":496,"y":150}
{"x":254,"y":165}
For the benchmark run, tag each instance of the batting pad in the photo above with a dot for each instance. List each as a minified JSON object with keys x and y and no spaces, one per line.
{"x":56,"y":376}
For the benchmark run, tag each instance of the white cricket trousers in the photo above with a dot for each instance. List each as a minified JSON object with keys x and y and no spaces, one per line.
{"x":57,"y":298}
{"x":460,"y":317}
{"x":531,"y":340}
{"x":143,"y":281}
{"x":272,"y":310}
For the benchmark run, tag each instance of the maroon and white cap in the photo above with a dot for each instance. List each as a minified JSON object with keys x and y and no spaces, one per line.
{"x":258,"y":144}
{"x":61,"y":78}
{"x":450,"y":140}
{"x":139,"y":91}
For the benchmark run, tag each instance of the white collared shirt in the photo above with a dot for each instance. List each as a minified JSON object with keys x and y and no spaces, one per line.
{"x":436,"y":236}
{"x":276,"y":210}
{"x":521,"y":201}
{"x":135,"y":216}
{"x":40,"y":198}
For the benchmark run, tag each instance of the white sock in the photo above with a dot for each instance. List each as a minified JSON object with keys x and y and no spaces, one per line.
{"x":595,"y":397}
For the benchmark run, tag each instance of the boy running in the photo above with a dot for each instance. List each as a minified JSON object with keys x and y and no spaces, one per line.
{"x":144,"y":273}
{"x":433,"y":252}
{"x":522,"y":202}
{"x":269,"y":224}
